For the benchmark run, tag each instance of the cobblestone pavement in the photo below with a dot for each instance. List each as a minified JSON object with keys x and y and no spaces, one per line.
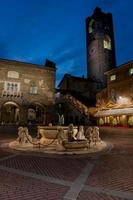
{"x":109,"y":176}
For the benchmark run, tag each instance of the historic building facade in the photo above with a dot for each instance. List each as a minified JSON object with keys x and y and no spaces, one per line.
{"x":100,"y":58}
{"x":100,"y":45}
{"x":112,"y":86}
{"x":80,"y":86}
{"x":115,"y":102}
{"x":77,"y":94}
{"x":26,"y":92}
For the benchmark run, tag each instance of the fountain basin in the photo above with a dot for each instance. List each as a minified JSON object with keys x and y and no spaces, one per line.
{"x":76,"y":145}
{"x":51,"y":132}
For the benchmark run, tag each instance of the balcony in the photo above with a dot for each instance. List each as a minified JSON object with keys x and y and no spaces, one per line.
{"x":12,"y":94}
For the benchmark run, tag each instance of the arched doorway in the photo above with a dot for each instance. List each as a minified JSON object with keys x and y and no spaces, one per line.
{"x":10,"y":113}
{"x":36,"y":113}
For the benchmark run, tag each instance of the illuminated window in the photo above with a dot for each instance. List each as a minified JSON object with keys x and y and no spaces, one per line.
{"x":12,"y":87}
{"x":113,"y":77}
{"x":91,"y":26}
{"x":107,"y":42}
{"x":131,"y":70}
{"x":33,"y":88}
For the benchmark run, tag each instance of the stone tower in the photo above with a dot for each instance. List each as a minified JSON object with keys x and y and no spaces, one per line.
{"x":100,"y":45}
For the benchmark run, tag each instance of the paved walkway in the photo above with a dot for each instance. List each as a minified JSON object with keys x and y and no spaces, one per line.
{"x":26,"y":176}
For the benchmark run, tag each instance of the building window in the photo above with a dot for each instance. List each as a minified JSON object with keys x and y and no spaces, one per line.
{"x":131,"y":71}
{"x":107,"y":42}
{"x":12,"y":87}
{"x":113,"y":77}
{"x":113,"y":96}
{"x":33,"y":88}
{"x":91,"y":26}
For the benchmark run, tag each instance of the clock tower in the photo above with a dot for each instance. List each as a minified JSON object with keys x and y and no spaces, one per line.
{"x":100,"y":45}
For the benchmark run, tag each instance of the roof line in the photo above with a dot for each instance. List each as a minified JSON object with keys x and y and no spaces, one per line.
{"x":118,"y":67}
{"x":21,"y":62}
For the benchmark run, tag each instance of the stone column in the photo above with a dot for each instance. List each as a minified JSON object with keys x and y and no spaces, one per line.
{"x":23,"y":115}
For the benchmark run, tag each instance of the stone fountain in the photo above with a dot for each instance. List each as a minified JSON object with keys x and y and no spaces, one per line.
{"x":60,"y":140}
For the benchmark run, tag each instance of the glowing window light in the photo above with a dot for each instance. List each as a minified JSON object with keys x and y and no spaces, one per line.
{"x":131,"y":70}
{"x":113,"y":77}
{"x":91,"y":26}
{"x":107,"y":42}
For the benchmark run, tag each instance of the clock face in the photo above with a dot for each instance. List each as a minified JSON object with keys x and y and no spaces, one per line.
{"x":91,"y":51}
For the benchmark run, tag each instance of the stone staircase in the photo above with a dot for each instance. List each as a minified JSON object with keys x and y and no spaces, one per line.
{"x":83,"y":109}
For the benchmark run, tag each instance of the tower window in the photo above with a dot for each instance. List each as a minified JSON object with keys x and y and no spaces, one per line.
{"x":91,"y":26}
{"x":131,"y":71}
{"x":113,"y":77}
{"x":107,"y":42}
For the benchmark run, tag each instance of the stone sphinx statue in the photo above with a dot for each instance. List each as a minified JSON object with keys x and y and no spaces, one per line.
{"x":92,"y":135}
{"x":89,"y":135}
{"x":20,"y":138}
{"x":72,"y":132}
{"x":96,"y":137}
{"x":24,"y":138}
{"x":80,"y":135}
{"x":41,"y":137}
{"x":61,"y":139}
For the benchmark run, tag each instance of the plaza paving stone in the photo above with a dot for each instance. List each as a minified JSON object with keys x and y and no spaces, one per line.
{"x":83,"y":195}
{"x":17,"y":187}
{"x":30,"y":176}
{"x":113,"y":172}
{"x":66,"y":169}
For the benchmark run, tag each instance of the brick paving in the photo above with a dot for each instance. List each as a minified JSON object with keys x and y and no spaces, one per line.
{"x":115,"y":169}
{"x":113,"y":172}
{"x":66,"y":169}
{"x":122,"y":139}
{"x":96,"y":196}
{"x":28,"y":176}
{"x":14,"y":187}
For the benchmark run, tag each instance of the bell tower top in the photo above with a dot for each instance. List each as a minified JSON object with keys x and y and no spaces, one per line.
{"x":97,"y":10}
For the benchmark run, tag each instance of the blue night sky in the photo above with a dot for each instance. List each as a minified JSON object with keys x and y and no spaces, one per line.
{"x":33,"y":30}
